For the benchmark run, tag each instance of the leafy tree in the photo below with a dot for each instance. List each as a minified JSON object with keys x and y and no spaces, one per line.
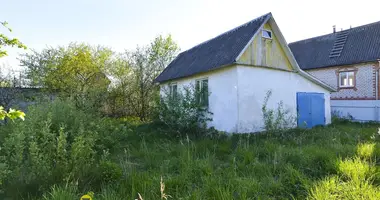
{"x":6,"y":41}
{"x":77,"y":70}
{"x":133,"y":72}
{"x":147,"y":63}
{"x":121,"y":75}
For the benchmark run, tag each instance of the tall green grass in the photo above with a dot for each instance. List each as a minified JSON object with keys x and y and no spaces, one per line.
{"x":335,"y":162}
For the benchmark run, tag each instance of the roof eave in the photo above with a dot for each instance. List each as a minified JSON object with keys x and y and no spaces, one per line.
{"x":189,"y":76}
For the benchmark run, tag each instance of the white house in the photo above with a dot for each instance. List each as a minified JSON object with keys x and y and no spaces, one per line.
{"x":347,"y":60}
{"x":239,"y":67}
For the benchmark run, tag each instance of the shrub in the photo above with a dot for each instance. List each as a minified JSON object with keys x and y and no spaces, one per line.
{"x":183,"y":113}
{"x":109,"y":172}
{"x":56,"y":144}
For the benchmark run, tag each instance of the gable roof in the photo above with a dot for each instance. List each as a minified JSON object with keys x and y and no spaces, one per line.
{"x":362,"y":45}
{"x":219,"y":51}
{"x":225,"y":50}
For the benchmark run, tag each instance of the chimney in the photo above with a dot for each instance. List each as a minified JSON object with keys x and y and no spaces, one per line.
{"x":334,"y":29}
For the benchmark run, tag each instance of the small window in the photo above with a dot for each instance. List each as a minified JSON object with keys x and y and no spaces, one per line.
{"x":267,"y":34}
{"x":202,"y":92}
{"x":173,"y":90}
{"x":346,"y":79}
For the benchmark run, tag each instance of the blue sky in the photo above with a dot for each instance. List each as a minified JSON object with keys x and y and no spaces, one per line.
{"x":124,"y":24}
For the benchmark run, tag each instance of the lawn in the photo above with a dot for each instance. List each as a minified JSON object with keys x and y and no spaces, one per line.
{"x":127,"y":160}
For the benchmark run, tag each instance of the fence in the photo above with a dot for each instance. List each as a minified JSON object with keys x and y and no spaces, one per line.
{"x":358,"y":110}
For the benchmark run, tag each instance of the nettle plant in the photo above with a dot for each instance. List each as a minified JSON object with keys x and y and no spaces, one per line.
{"x":184,"y":110}
{"x":11,"y":114}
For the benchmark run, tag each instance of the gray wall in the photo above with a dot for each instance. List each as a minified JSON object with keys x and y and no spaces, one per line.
{"x":360,"y":110}
{"x":21,"y":98}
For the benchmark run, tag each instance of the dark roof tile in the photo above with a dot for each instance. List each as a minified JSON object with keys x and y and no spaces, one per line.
{"x":219,"y":51}
{"x":362,"y":45}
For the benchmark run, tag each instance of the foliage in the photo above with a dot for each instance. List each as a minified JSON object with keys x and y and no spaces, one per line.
{"x":76,"y":71}
{"x":276,"y":120}
{"x":53,"y":146}
{"x":60,"y":151}
{"x":183,"y":113}
{"x":134,"y":73}
{"x":11,"y":114}
{"x":6,"y":41}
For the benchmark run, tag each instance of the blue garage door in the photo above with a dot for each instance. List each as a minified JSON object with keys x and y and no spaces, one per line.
{"x":311,"y":109}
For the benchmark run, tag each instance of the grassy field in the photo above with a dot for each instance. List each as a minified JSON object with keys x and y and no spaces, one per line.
{"x":335,"y":162}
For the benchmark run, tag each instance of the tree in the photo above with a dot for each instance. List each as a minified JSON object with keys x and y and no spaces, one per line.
{"x":121,"y":74}
{"x":76,"y":71}
{"x":6,"y":41}
{"x":141,"y":67}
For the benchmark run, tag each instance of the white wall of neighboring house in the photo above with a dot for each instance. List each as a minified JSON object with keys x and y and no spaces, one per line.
{"x":222,"y":85}
{"x":253,"y":84}
{"x":364,"y":81}
{"x":237,"y":94}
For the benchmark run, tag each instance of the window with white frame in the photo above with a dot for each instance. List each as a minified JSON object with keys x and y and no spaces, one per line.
{"x":267,"y":34}
{"x":173,"y":90}
{"x":347,"y":79}
{"x":201,"y":88}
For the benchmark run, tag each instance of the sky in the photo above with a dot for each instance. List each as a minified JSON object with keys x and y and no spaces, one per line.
{"x":124,"y":24}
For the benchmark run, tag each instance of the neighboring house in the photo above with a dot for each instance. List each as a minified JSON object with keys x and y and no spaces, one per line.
{"x":238,"y":68}
{"x":348,"y":61}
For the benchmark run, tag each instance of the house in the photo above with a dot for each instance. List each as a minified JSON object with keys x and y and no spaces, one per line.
{"x":347,"y":60}
{"x":238,"y":68}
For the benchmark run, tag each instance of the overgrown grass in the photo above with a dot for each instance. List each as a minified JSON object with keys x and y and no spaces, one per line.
{"x":334,"y":162}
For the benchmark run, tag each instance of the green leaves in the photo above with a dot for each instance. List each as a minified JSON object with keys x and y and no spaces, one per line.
{"x":12,"y":114}
{"x":6,"y":41}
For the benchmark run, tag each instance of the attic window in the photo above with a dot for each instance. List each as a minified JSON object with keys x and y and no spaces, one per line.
{"x":267,"y":34}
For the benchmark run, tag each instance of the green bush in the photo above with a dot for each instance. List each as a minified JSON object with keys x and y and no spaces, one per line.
{"x":183,"y":113}
{"x":57,"y":143}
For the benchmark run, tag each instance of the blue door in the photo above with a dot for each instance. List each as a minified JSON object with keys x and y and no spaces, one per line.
{"x":311,"y":109}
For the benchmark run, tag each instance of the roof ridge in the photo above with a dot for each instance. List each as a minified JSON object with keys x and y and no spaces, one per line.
{"x":231,"y":30}
{"x":350,"y":29}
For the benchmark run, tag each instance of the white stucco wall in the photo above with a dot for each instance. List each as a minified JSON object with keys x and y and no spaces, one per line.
{"x":237,"y":94}
{"x":253,"y":84}
{"x":364,"y":81}
{"x":223,"y":96}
